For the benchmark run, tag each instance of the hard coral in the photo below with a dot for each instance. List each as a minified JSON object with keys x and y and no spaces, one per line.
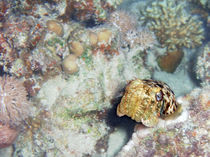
{"x":203,"y":3}
{"x":24,"y":32}
{"x":131,"y":34}
{"x":170,"y":61}
{"x":69,"y":64}
{"x":55,"y":26}
{"x":142,"y":38}
{"x":7,"y":53}
{"x":92,"y":10}
{"x":14,"y":106}
{"x":100,"y":39}
{"x":123,"y":21}
{"x":3,"y":9}
{"x":203,"y":65}
{"x":173,"y":26}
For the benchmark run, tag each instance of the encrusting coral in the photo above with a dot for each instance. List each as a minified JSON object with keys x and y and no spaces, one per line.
{"x":173,"y":25}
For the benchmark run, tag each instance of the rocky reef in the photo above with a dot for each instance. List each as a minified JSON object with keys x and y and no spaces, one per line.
{"x":70,"y":61}
{"x":186,"y":135}
{"x":176,"y":25}
{"x":95,"y":11}
{"x":83,"y":119}
{"x":60,"y":62}
{"x":203,"y":65}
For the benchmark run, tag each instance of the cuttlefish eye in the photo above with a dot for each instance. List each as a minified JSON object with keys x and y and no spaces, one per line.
{"x":159,"y":96}
{"x":146,"y":101}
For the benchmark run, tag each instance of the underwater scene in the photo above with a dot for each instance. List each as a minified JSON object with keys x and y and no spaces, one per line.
{"x":104,"y":78}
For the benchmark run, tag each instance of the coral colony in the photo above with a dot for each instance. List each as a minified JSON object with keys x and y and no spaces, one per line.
{"x":14,"y":108}
{"x":172,"y":25}
{"x":74,"y":73}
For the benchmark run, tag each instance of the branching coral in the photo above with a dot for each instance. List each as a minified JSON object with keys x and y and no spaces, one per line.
{"x":173,"y":26}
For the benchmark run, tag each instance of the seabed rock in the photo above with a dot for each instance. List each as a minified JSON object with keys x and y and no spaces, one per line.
{"x":187,"y":135}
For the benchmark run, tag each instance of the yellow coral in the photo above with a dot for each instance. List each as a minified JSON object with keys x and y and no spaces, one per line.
{"x":77,"y":48}
{"x":55,"y":27}
{"x":104,"y":36}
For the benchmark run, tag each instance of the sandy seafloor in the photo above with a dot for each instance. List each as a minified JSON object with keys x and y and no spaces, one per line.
{"x":74,"y":113}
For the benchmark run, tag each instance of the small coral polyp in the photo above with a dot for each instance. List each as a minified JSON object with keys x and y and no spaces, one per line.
{"x":14,"y":106}
{"x":173,"y":25}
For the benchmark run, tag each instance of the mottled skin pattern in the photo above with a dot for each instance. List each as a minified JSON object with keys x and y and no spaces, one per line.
{"x":147,"y":100}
